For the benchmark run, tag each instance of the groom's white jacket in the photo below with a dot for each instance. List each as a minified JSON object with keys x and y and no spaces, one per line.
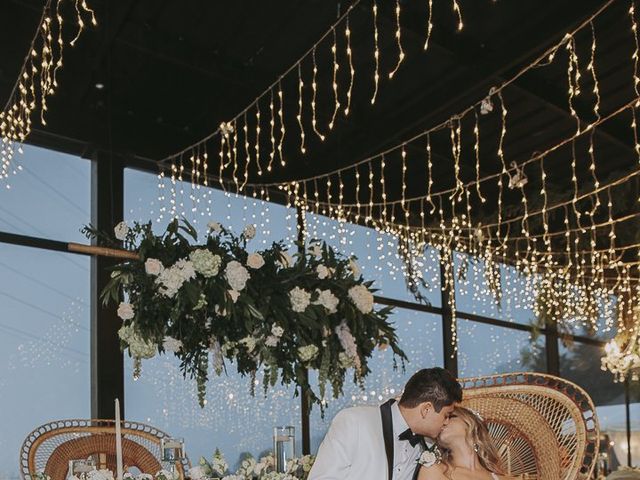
{"x":354,"y":447}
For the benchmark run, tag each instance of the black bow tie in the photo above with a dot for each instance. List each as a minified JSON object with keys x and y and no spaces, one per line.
{"x":411,"y":437}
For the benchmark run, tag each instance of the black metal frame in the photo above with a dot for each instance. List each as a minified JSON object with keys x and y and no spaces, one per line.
{"x":107,"y":366}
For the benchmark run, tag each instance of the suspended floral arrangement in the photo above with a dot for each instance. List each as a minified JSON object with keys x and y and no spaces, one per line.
{"x":222,"y":303}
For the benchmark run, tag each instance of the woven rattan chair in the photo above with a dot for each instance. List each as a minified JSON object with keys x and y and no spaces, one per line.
{"x":545,"y":427}
{"x":50,"y":447}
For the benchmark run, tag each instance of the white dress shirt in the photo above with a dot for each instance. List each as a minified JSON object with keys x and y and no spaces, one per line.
{"x":405,"y":456}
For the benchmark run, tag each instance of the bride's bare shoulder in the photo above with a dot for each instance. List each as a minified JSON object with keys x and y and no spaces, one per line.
{"x":435,"y":472}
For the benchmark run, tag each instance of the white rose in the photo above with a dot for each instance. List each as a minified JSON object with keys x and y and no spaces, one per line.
{"x":300,"y":299}
{"x":277,"y":330}
{"x":234,"y":295}
{"x":328,"y":300}
{"x":323,"y":272}
{"x":249,"y":232}
{"x":171,"y":344}
{"x":236,"y":275}
{"x":185,"y":269}
{"x":125,"y":311}
{"x":121,"y":230}
{"x":316,"y":250}
{"x":255,"y":261}
{"x":354,"y":267}
{"x":153,"y":266}
{"x":214,"y":227}
{"x":362,"y":298}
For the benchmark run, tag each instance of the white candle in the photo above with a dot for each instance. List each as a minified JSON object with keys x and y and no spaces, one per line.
{"x":118,"y":442}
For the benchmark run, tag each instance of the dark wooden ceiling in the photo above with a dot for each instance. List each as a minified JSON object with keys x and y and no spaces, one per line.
{"x":173,"y":70}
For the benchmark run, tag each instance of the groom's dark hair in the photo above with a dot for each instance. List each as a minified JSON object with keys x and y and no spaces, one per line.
{"x":435,"y":385}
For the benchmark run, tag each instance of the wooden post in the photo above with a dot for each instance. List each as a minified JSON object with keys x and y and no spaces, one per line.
{"x":305,"y":409}
{"x":107,"y":364}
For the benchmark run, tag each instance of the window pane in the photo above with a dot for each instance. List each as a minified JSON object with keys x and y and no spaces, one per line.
{"x":487,"y":349}
{"x":49,"y":198}
{"x":580,"y":363}
{"x":420,"y":336}
{"x":273,"y":222}
{"x":44,"y":344}
{"x":634,"y":410}
{"x":378,"y":256}
{"x":232,"y":419}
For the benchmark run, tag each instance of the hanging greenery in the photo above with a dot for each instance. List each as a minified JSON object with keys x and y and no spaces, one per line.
{"x":219,"y":303}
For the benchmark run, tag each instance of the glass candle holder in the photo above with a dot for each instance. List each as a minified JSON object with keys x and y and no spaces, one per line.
{"x":283,"y":446}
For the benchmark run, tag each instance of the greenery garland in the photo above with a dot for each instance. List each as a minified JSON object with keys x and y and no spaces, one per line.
{"x":219,"y":303}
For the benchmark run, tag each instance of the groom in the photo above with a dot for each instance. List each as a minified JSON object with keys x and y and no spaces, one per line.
{"x":385,"y":442}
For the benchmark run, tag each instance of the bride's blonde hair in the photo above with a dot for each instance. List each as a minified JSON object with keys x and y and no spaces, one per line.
{"x":480,"y":440}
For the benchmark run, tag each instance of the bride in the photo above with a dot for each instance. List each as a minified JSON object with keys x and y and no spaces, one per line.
{"x":467,"y":451}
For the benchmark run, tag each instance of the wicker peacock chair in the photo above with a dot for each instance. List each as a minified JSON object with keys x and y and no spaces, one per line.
{"x":544,"y":426}
{"x":50,"y":447}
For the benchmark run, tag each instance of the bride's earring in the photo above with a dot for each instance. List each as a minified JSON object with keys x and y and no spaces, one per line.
{"x":476,"y":448}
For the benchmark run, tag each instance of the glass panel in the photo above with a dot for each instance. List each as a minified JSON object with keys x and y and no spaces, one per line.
{"x":517,"y":298}
{"x":473,"y":294}
{"x":44,"y":344}
{"x":49,"y":198}
{"x":273,"y":222}
{"x":634,"y":410}
{"x":580,"y":363}
{"x":232,"y":419}
{"x":377,"y":254}
{"x":420,"y":336}
{"x":487,"y":349}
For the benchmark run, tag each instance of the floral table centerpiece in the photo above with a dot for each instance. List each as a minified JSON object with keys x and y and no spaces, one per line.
{"x":258,"y":309}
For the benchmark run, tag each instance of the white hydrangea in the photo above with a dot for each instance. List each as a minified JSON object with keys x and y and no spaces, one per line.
{"x":121,"y":230}
{"x":328,"y":300}
{"x":125,"y":311}
{"x":197,"y":473}
{"x":299,"y":298}
{"x":205,"y":262}
{"x":100,"y":475}
{"x":167,"y":475}
{"x":307,"y":353}
{"x":361,"y":298}
{"x":214,"y":227}
{"x":255,"y":261}
{"x":249,"y":231}
{"x":236,"y":275}
{"x":323,"y":272}
{"x":153,"y":266}
{"x":172,"y":278}
{"x":138,"y":346}
{"x":171,"y":344}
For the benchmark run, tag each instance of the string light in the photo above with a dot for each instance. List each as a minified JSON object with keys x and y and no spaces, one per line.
{"x":352,"y":72}
{"x":300,"y":102}
{"x":22,"y":103}
{"x":282,"y":129}
{"x":314,"y":87}
{"x":376,"y":52}
{"x":636,"y":52}
{"x":257,"y":145}
{"x":429,"y":25}
{"x":398,"y":40}
{"x":334,"y":85}
{"x":272,"y":124}
{"x":592,"y":68}
{"x":458,"y":12}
